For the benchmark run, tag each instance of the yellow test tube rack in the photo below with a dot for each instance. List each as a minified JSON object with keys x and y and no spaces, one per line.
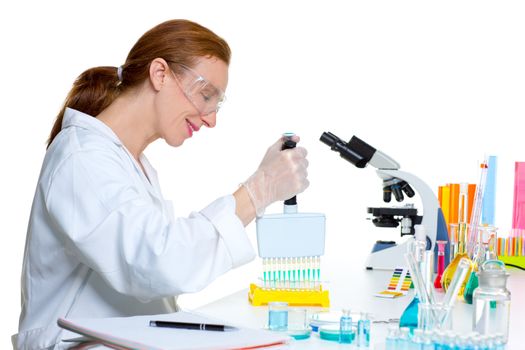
{"x":259,"y":296}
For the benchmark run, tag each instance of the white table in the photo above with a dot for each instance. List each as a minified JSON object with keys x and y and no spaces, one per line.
{"x":356,"y":292}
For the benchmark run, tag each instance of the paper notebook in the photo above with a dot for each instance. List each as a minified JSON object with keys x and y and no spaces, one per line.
{"x":135,"y":333}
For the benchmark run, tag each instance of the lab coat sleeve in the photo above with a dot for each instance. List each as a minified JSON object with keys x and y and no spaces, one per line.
{"x":122,"y":233}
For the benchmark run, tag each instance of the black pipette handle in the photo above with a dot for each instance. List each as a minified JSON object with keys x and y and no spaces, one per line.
{"x":287,"y":144}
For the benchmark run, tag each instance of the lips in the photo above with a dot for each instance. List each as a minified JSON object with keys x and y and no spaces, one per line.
{"x":191,"y":128}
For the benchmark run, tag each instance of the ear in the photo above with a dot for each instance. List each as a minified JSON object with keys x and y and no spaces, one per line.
{"x":158,"y":71}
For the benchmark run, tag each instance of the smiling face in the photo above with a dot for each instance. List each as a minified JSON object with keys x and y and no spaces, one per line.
{"x":182,"y":99}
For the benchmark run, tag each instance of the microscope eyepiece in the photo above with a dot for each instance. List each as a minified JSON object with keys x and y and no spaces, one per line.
{"x":355,"y":151}
{"x":329,"y":139}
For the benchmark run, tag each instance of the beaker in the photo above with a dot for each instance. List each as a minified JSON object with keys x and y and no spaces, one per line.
{"x":434,"y":316}
{"x":278,"y":316}
{"x":297,"y":323}
{"x":492,"y":300}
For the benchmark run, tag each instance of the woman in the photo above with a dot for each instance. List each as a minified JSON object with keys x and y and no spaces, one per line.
{"x":101,"y":240}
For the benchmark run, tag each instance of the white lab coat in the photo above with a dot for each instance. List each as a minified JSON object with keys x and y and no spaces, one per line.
{"x":102,"y":242}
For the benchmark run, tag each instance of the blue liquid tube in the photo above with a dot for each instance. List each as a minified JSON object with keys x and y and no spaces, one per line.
{"x":345,"y":328}
{"x":363,"y":331}
{"x":418,"y":340}
{"x":427,"y":341}
{"x":403,"y":342}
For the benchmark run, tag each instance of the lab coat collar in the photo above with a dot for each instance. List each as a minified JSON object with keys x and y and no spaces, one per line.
{"x":72,"y":117}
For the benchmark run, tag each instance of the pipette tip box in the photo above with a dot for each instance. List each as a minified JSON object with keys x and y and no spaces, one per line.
{"x":259,"y":296}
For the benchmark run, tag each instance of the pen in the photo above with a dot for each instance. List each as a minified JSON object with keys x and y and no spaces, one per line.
{"x":188,"y":325}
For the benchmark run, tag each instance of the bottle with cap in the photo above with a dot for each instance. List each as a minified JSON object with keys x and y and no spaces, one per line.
{"x":492,"y":300}
{"x":346,"y":334}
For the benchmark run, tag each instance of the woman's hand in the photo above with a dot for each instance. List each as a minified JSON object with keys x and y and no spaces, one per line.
{"x":280,"y":176}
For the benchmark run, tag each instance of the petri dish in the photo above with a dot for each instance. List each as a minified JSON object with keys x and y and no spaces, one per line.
{"x":330,"y":332}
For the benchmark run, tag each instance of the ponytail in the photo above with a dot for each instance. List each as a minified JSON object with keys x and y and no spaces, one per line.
{"x":92,"y":92}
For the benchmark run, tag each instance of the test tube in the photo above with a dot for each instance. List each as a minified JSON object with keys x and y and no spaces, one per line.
{"x":428,"y":272}
{"x":475,"y":218}
{"x":453,"y":289}
{"x":417,"y":278}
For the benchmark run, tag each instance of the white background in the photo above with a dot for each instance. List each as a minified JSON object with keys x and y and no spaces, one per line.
{"x":436,"y":85}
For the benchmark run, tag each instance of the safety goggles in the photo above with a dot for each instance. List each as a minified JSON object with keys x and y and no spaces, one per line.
{"x":202,"y":94}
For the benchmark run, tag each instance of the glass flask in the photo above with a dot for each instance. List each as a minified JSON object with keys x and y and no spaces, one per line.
{"x":492,"y":300}
{"x":409,"y":318}
{"x":441,"y":264}
{"x":485,"y":250}
{"x":417,"y":247}
{"x":459,"y":231}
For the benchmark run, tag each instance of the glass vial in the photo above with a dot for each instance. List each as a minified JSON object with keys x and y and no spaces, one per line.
{"x":345,"y":328}
{"x":391,"y":338}
{"x":363,"y":331}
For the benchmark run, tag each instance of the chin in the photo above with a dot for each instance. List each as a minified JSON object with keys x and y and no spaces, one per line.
{"x":174,"y":143}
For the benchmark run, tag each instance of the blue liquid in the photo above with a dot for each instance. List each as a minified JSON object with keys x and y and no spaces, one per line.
{"x":346,"y":334}
{"x":409,"y":316}
{"x":278,"y":320}
{"x":363,"y":333}
{"x":472,"y":284}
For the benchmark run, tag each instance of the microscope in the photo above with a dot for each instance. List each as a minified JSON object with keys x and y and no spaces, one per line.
{"x":388,"y":255}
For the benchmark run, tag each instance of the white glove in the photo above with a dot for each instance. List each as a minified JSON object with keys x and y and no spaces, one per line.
{"x":280,"y":176}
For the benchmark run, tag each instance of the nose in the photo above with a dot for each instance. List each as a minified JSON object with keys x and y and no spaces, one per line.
{"x":210,"y":120}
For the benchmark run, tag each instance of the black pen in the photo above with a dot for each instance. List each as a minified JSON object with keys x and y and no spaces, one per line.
{"x":196,"y":326}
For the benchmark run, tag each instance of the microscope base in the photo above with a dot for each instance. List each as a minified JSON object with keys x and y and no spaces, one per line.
{"x":388,"y":258}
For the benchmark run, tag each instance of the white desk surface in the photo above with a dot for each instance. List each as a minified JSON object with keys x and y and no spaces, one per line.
{"x":356,"y":292}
